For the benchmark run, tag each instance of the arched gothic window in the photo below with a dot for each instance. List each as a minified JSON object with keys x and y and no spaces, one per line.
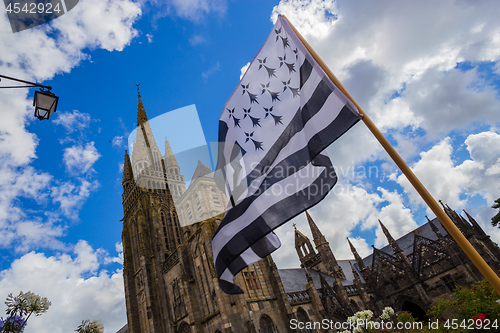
{"x":175,"y":222}
{"x":164,"y":225}
{"x":266,"y":325}
{"x":189,"y":213}
{"x":303,"y":318}
{"x":184,"y":328}
{"x":215,"y":197}
{"x":197,"y":202}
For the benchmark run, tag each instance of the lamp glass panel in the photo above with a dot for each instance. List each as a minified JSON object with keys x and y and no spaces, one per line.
{"x":46,"y":102}
{"x":40,"y":113}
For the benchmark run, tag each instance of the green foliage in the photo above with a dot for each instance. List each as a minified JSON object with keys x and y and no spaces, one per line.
{"x":87,"y":326}
{"x":496,"y":219}
{"x":466,"y":304}
{"x":406,"y":317}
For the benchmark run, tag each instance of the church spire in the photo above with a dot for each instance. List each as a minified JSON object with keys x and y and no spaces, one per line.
{"x":317,"y":235}
{"x":359,"y":261}
{"x":400,"y":255}
{"x":475,"y":224}
{"x":141,"y":112}
{"x":434,"y":228}
{"x":331,"y":265}
{"x":170,"y":160}
{"x":390,"y":239}
{"x":463,"y":225}
{"x":127,"y":169}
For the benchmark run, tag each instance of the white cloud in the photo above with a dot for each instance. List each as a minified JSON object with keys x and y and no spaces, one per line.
{"x":150,"y":38}
{"x":193,"y":10}
{"x":244,"y":70}
{"x":38,"y":234}
{"x":197,"y":40}
{"x":397,"y":218}
{"x":17,"y":146}
{"x":315,"y":18}
{"x":344,"y":210}
{"x":72,"y":121}
{"x":37,"y":55}
{"x":98,"y":24}
{"x":214,"y":69}
{"x":402,"y":69}
{"x":438,"y":174}
{"x":119,"y":258}
{"x":71,"y":197}
{"x":455,"y":184}
{"x":117,"y":141}
{"x":42,"y":52}
{"x":79,"y":159}
{"x":78,"y":287}
{"x":25,"y":182}
{"x":383,"y":48}
{"x":196,"y":9}
{"x":450,"y":100}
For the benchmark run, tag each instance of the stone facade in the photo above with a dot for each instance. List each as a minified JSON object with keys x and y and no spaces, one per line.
{"x":170,"y":279}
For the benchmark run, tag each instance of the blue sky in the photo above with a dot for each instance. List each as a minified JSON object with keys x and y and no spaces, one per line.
{"x":427,"y":74}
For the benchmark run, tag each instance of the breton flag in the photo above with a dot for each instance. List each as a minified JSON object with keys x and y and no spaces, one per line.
{"x":284,"y":112}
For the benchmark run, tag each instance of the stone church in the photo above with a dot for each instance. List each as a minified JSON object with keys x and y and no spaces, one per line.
{"x":170,"y":279}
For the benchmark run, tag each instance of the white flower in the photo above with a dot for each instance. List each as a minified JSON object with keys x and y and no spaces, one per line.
{"x":27,"y":303}
{"x":387,"y":313}
{"x":389,"y":310}
{"x":385,"y":316}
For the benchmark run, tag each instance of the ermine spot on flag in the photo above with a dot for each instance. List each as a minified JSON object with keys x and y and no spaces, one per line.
{"x":272,"y":131}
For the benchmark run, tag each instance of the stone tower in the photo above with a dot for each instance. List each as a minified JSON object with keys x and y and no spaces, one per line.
{"x":151,"y":230}
{"x":307,"y":256}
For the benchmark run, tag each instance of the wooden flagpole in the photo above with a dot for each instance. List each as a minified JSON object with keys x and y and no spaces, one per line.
{"x":452,"y":229}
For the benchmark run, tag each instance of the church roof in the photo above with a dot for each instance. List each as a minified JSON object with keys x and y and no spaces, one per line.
{"x":294,"y":279}
{"x":201,"y":171}
{"x":406,"y":242}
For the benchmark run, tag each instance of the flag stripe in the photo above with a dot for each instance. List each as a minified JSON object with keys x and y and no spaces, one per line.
{"x":305,"y":71}
{"x":270,"y":197}
{"x":222,"y":131}
{"x":331,"y":109}
{"x":271,"y":243}
{"x":302,"y":116}
{"x":342,"y":122}
{"x":288,"y":207}
{"x":274,"y":175}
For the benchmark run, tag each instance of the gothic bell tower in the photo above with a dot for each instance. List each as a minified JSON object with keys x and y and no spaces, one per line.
{"x":151,"y":231}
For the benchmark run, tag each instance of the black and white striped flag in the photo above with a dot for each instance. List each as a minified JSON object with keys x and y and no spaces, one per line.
{"x":272,"y":132}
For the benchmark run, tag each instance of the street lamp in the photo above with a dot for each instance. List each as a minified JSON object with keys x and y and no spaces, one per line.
{"x":45,"y":102}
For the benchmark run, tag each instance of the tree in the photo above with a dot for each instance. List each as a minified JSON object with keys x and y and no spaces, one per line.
{"x":496,"y":219}
{"x":87,"y":326}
